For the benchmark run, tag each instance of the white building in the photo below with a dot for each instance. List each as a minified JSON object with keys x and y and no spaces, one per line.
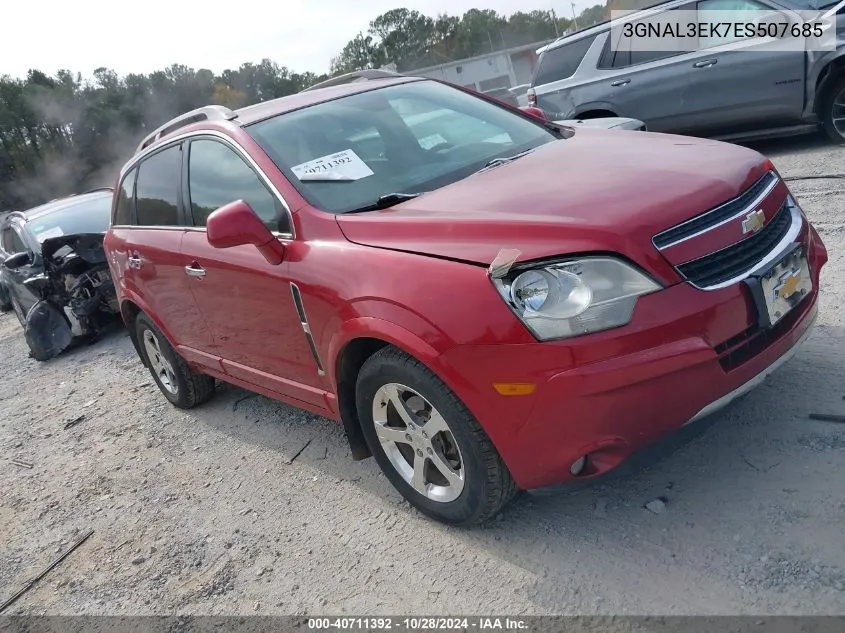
{"x":502,"y":69}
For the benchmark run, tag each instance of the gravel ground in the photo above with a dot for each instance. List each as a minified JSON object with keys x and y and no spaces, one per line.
{"x":200,"y":512}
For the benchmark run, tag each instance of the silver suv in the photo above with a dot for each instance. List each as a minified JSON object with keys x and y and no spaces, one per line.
{"x":709,"y":91}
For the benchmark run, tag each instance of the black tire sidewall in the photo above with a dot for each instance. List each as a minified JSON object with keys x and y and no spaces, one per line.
{"x":144,"y":323}
{"x":470,"y":504}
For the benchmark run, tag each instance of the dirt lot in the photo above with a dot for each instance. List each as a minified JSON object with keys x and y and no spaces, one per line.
{"x":200,"y":512}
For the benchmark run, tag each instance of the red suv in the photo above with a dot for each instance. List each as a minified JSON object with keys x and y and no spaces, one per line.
{"x":487,"y":302}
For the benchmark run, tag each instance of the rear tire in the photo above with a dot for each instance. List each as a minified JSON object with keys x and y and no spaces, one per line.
{"x":427,"y":443}
{"x":833,"y":112}
{"x":175,"y":379}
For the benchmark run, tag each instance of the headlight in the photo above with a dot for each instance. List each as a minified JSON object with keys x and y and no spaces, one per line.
{"x":571,"y":298}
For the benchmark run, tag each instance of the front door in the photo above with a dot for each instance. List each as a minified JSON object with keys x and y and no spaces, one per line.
{"x":756,"y":85}
{"x":247,"y":302}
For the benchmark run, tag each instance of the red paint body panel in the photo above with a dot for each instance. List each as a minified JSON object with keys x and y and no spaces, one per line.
{"x":249,"y":309}
{"x":159,"y":286}
{"x":415,"y":276}
{"x":612,"y":199}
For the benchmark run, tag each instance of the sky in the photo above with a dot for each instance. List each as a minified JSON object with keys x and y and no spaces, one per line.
{"x":150,"y":35}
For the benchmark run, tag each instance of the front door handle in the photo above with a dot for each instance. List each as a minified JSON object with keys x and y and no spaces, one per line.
{"x":620,"y":82}
{"x":707,"y":63}
{"x":195,"y":270}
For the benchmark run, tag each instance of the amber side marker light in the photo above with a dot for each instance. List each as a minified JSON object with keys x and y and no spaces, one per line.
{"x":514,"y":388}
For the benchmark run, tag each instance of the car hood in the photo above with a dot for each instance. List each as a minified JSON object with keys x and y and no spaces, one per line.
{"x":606,"y":123}
{"x":600,"y":190}
{"x":86,"y":246}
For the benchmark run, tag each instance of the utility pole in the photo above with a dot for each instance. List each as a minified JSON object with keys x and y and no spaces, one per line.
{"x":554,"y":19}
{"x":574,"y":17}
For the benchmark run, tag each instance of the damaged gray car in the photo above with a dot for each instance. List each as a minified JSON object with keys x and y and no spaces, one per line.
{"x":54,"y":273}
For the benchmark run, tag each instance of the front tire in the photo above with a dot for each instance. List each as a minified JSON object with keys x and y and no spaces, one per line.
{"x":427,"y":443}
{"x":182,"y":386}
{"x":833,"y":115}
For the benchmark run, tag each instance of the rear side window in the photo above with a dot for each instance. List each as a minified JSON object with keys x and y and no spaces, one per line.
{"x":562,"y":62}
{"x":625,"y":53}
{"x":157,"y":188}
{"x":218,"y":176}
{"x":123,"y":212}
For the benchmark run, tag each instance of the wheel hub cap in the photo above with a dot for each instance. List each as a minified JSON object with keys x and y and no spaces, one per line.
{"x":159,"y":364}
{"x":418,"y":442}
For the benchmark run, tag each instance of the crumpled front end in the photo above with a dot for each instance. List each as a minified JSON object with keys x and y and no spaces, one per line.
{"x":77,"y":295}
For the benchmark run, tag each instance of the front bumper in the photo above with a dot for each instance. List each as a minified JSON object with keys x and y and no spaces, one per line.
{"x":686,"y":354}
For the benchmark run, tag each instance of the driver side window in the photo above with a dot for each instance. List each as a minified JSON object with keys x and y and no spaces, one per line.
{"x":218,"y":176}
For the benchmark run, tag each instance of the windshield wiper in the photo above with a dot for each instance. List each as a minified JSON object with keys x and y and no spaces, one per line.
{"x":495,"y":162}
{"x":386,"y":200}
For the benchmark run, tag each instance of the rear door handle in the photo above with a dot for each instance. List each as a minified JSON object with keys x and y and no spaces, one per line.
{"x":133,"y":261}
{"x":705,"y":63}
{"x":620,"y":82}
{"x":195,"y":270}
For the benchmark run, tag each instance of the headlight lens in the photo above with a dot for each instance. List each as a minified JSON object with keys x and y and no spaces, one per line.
{"x":551,"y":292}
{"x":571,"y":298}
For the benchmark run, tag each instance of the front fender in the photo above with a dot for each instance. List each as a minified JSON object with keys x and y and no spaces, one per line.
{"x":387,"y":331}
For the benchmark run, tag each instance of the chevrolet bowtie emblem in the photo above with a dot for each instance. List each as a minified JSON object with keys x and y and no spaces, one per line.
{"x":788,"y":284}
{"x":753,"y":222}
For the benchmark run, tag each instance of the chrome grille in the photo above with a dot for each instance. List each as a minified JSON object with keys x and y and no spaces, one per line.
{"x":733,"y":261}
{"x":732,"y":209}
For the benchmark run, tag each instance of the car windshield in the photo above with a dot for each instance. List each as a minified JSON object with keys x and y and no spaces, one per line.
{"x":87,"y":215}
{"x":343,"y":155}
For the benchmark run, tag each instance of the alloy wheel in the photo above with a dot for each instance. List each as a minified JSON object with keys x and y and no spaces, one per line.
{"x":418,"y":442}
{"x":159,"y":363}
{"x":837,"y":113}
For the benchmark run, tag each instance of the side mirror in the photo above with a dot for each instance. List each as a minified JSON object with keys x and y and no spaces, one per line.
{"x":236,"y":224}
{"x":17,"y":260}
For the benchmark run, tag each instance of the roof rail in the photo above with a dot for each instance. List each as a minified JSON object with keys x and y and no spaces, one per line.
{"x":358,"y":75}
{"x":206,"y":113}
{"x":96,"y":189}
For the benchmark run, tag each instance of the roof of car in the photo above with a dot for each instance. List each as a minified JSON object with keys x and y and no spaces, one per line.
{"x":267,"y":109}
{"x":62,"y":203}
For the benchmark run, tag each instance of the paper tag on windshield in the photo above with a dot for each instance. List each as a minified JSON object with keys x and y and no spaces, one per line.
{"x":432,"y":141}
{"x":346,"y":164}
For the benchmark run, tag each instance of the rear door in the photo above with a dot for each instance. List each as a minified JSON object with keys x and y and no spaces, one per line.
{"x":758,"y":85}
{"x":649,"y":85}
{"x":557,"y":75}
{"x":146,"y":248}
{"x":247,"y":302}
